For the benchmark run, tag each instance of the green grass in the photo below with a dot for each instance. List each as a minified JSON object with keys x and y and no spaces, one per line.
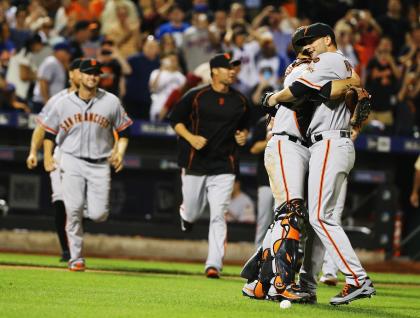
{"x":158,"y":289}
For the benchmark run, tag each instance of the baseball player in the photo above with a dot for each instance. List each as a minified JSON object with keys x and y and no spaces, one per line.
{"x":82,"y":125}
{"x":32,"y":161}
{"x":286,"y":161}
{"x":331,"y":159}
{"x":210,"y":121}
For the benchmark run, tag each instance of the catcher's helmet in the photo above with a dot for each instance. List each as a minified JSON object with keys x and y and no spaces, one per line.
{"x":299,"y":34}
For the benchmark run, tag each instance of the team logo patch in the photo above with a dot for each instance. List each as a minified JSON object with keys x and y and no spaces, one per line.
{"x":221,"y":101}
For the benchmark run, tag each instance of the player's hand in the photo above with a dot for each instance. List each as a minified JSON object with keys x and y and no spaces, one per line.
{"x":354,"y":133}
{"x":197,"y":142}
{"x":414,"y":199}
{"x":49,"y":164}
{"x":240,"y":137}
{"x":267,"y":100}
{"x":31,"y":161}
{"x":117,"y":161}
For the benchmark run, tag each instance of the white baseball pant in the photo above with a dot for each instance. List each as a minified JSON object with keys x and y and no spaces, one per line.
{"x":82,"y":182}
{"x":216,"y":191}
{"x":330,"y":163}
{"x":264,"y":214}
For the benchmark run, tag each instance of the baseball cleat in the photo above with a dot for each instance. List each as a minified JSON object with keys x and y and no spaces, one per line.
{"x":249,"y":289}
{"x":77,"y":265}
{"x":185,"y":225}
{"x":329,"y":280}
{"x":212,"y":272}
{"x":311,"y":299}
{"x":65,"y":256}
{"x":351,"y":293}
{"x":290,"y":293}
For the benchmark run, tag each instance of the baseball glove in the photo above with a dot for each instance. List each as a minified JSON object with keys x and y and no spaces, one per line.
{"x":358,"y":102}
{"x":264,"y":99}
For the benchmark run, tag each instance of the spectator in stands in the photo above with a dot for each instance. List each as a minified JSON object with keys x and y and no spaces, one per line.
{"x":246,"y":51}
{"x":151,"y":15}
{"x":270,"y":65}
{"x":168,"y":45}
{"x":198,"y":43}
{"x":52,"y":75}
{"x":36,"y":13}
{"x":163,"y":81}
{"x":176,"y":25}
{"x":114,"y":68}
{"x":81,"y":10}
{"x":237,"y":15}
{"x":272,"y":17}
{"x":241,"y":208}
{"x":45,"y":31}
{"x":344,"y":38}
{"x":137,"y":94}
{"x":124,"y":32}
{"x":218,"y":27}
{"x":20,"y":32}
{"x":409,"y":50}
{"x":109,"y":15}
{"x":62,"y":20}
{"x":369,"y":33}
{"x":81,"y":34}
{"x":394,"y":25}
{"x":191,"y":81}
{"x":8,"y":99}
{"x":22,"y":70}
{"x":414,"y":197}
{"x":7,"y":48}
{"x":382,"y":83}
{"x":408,"y":115}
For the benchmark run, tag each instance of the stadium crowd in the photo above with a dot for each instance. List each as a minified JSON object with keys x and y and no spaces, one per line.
{"x":152,"y":51}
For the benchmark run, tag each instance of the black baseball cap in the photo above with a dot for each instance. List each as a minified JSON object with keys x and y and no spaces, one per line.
{"x":296,"y":37}
{"x":82,"y":25}
{"x":75,"y":64}
{"x":90,"y":66}
{"x":316,"y":30}
{"x":224,"y":61}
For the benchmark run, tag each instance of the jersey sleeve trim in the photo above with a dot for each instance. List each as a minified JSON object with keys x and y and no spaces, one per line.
{"x":308,"y":83}
{"x":45,"y":127}
{"x":124,"y":126}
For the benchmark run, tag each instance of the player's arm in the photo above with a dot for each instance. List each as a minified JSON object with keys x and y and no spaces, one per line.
{"x":49,"y":144}
{"x":196,"y":141}
{"x":118,"y":153}
{"x":414,"y":197}
{"x":36,"y":144}
{"x":180,"y":117}
{"x":242,"y":131}
{"x":120,"y":123}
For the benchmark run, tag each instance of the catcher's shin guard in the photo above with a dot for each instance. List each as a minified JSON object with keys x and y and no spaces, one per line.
{"x":265,"y":275}
{"x":251,"y":268}
{"x":286,"y":248}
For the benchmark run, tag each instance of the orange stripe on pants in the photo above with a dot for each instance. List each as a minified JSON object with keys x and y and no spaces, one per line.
{"x":319,"y":219}
{"x":282,"y":171}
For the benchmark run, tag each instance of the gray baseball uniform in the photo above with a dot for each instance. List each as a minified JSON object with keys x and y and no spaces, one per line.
{"x":286,"y":161}
{"x":85,"y":137}
{"x":332,"y":158}
{"x":55,"y":177}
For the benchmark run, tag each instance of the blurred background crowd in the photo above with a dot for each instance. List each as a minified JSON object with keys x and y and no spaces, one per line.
{"x":152,"y":51}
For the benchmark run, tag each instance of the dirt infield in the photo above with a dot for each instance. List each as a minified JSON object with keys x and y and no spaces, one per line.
{"x":394,"y":266}
{"x":141,"y":248}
